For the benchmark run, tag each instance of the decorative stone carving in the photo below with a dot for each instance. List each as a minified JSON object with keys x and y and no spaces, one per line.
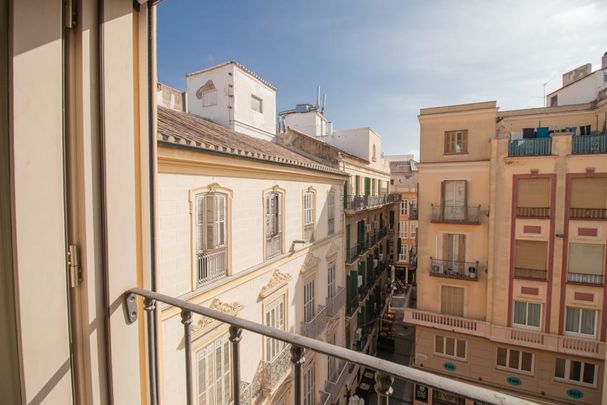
{"x":332,"y":252}
{"x":277,"y":280}
{"x":311,"y":262}
{"x":213,"y":187}
{"x":230,"y":308}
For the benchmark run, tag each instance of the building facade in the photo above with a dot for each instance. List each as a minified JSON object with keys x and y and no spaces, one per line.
{"x":404,"y":180}
{"x":511,"y":261}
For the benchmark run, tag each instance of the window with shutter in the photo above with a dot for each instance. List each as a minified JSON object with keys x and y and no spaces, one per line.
{"x":331,"y":212}
{"x":454,"y":199}
{"x":274,"y":317}
{"x":309,"y":295}
{"x":211,"y":236}
{"x":452,"y":300}
{"x":456,"y":142}
{"x":308,"y":216}
{"x":214,"y":382}
{"x":273,"y":207}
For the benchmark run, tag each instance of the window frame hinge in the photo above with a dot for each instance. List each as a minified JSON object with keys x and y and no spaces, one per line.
{"x":73,"y":265}
{"x":70,"y":17}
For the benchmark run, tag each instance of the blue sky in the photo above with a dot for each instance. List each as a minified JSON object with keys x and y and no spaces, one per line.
{"x":381,"y":61}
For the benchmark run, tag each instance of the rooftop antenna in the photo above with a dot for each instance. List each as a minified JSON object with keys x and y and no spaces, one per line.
{"x":317,"y":96}
{"x":324,"y":103}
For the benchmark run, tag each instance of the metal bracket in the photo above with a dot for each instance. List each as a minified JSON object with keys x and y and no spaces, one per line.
{"x":131,"y":307}
{"x":73,"y":265}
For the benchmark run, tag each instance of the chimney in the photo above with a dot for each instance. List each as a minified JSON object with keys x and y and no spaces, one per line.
{"x":604,"y":61}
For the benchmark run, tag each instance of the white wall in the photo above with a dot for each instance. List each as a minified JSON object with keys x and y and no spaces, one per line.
{"x":583,"y":91}
{"x":221,"y":78}
{"x":359,"y":142}
{"x":311,"y":123}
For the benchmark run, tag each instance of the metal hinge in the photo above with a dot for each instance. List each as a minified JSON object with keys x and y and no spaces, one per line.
{"x":70,"y":14}
{"x":73,"y":265}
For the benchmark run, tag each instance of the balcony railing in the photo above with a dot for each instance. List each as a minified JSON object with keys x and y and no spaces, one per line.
{"x":336,"y":302}
{"x":295,"y":345}
{"x":530,"y":147}
{"x":534,"y":274}
{"x":458,"y":214}
{"x":583,"y":278}
{"x":275,"y":371}
{"x":316,"y":325}
{"x":334,"y":383}
{"x":211,"y":266}
{"x":588,"y":213}
{"x":363,"y":202}
{"x":502,"y":334}
{"x":533,"y":212}
{"x":454,"y":269}
{"x":589,"y":144}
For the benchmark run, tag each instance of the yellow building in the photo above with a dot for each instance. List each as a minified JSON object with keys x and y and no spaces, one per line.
{"x":511,"y":255}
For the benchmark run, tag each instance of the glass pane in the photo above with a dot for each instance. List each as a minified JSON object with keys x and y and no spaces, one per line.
{"x":572,"y":320}
{"x":575,"y":370}
{"x":461,"y":349}
{"x":559,"y":368}
{"x":535,"y":314}
{"x":588,"y":318}
{"x":501,"y":356}
{"x":527,"y":359}
{"x":450,"y":346}
{"x":520,"y":312}
{"x":588,"y":373}
{"x":438,"y":344}
{"x":513,"y":361}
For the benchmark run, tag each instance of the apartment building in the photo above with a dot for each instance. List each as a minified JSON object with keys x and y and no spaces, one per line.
{"x":511,"y":260}
{"x":370,"y":221}
{"x":404,"y":180}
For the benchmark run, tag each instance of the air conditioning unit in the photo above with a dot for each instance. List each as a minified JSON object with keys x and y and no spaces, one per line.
{"x":381,"y":257}
{"x":472,"y":270}
{"x":437,"y":268}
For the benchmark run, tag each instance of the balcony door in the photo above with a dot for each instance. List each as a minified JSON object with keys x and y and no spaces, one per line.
{"x":454,"y":252}
{"x":454,"y":200}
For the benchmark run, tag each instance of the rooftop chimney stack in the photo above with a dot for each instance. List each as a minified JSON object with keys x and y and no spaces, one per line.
{"x":604,"y":61}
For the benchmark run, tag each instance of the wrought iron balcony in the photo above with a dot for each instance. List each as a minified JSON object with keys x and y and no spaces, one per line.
{"x":530,"y":147}
{"x":291,"y":357}
{"x":588,"y":213}
{"x":456,"y":214}
{"x":364,"y":202}
{"x":534,"y":274}
{"x":454,"y":269}
{"x":533,"y":212}
{"x":412,"y":211}
{"x":583,"y":278}
{"x":586,"y":144}
{"x":335,"y":382}
{"x":336,"y":302}
{"x":212,"y":265}
{"x":316,"y":325}
{"x":355,"y":251}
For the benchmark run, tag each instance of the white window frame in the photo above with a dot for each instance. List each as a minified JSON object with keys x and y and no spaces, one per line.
{"x":211,"y":257}
{"x":309,"y":214}
{"x":520,"y":361}
{"x":578,"y":332}
{"x":413,"y":228}
{"x":309,"y":299}
{"x":442,"y":351}
{"x":255,"y":103}
{"x":404,"y":207}
{"x":403,"y":255}
{"x":331,"y":282}
{"x":404,"y":229}
{"x":208,"y":355}
{"x":526,"y":325}
{"x":567,"y":372}
{"x":331,"y":212}
{"x":273,"y":224}
{"x":275,"y":316}
{"x":309,"y":389}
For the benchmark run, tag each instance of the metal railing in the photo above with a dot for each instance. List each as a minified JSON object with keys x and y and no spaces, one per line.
{"x":533,"y":212}
{"x":336,"y":302}
{"x":589,"y":144}
{"x":588,"y":213}
{"x":385,"y":374}
{"x":212,"y":266}
{"x":363,"y":202}
{"x":530,"y":147}
{"x":454,"y":269}
{"x":316,"y":325}
{"x":584,"y":278}
{"x":459,"y":214}
{"x":535,"y":274}
{"x":274,"y":371}
{"x":335,"y":382}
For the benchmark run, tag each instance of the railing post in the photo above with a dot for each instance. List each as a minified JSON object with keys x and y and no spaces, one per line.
{"x":186,"y":320}
{"x":235,"y":336}
{"x":297,"y":358}
{"x":149,"y":305}
{"x":383,"y":387}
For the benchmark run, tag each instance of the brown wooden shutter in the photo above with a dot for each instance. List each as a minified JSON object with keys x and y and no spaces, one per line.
{"x":461,"y":248}
{"x":445,"y":255}
{"x":447,"y":142}
{"x":465,"y":141}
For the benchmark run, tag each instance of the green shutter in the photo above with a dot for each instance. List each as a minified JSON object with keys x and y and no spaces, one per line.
{"x":367,"y":186}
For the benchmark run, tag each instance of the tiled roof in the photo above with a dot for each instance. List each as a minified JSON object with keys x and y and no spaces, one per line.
{"x":182,"y":128}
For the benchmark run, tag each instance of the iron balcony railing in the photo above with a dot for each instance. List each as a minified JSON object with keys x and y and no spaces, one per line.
{"x":385,"y":374}
{"x":275,"y":371}
{"x":534,"y":274}
{"x":588,"y":213}
{"x":454,"y":269}
{"x":316,"y":325}
{"x":212,"y":265}
{"x":584,"y":278}
{"x":336,"y":302}
{"x":336,"y":381}
{"x":363,"y":202}
{"x":585,"y":144}
{"x":530,"y":147}
{"x":459,"y":214}
{"x":533,"y":212}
